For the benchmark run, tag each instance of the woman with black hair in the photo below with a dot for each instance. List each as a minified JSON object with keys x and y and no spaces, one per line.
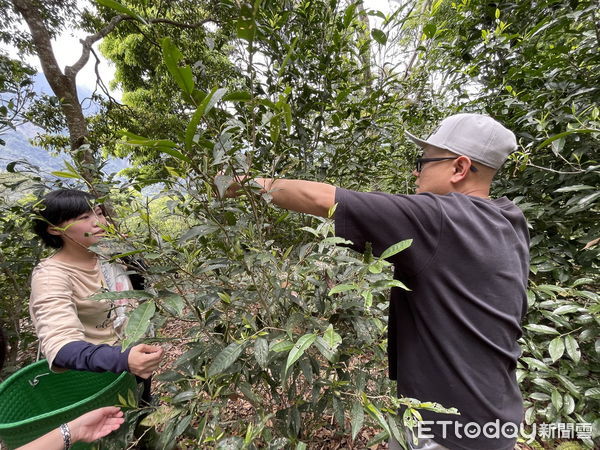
{"x":74,"y":332}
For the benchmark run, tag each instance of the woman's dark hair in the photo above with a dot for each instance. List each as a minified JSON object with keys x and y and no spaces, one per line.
{"x":3,"y":348}
{"x":57,"y":207}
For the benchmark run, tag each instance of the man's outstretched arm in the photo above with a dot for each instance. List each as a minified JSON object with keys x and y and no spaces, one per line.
{"x":302,"y":196}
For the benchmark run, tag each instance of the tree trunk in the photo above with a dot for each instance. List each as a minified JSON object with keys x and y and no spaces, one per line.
{"x":63,"y":84}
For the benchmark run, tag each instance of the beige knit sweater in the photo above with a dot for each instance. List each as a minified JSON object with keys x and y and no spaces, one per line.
{"x":60,"y":311}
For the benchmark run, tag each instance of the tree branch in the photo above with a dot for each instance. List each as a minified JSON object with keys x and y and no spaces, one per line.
{"x":71,"y":71}
{"x":183,"y":25}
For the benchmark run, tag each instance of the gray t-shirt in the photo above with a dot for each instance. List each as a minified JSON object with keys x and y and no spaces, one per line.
{"x":453,"y":338}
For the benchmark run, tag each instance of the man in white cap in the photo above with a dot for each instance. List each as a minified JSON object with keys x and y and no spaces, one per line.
{"x":452,"y":339}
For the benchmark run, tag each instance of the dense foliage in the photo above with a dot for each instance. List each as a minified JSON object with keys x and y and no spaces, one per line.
{"x":539,"y":74}
{"x":285,"y":329}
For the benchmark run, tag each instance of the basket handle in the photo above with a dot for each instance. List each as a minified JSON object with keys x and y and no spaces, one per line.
{"x":33,"y":382}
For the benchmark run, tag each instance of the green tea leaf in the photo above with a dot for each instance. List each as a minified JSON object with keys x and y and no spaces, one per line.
{"x":429,"y":30}
{"x":568,"y":404}
{"x":173,"y":304}
{"x":530,"y":415}
{"x":246,"y":25}
{"x":261,"y":352}
{"x":575,"y":188}
{"x":396,"y":248}
{"x":358,"y":418}
{"x":246,"y":389}
{"x":556,"y":348}
{"x":222,"y":182}
{"x":379,"y":36}
{"x":368,"y":296}
{"x":349,"y":14}
{"x":184,"y":396}
{"x":139,"y":322}
{"x":566,"y":309}
{"x":160,"y":416}
{"x":182,"y":75}
{"x":237,"y":96}
{"x":571,"y":387}
{"x":225,"y":358}
{"x":338,"y":411}
{"x":557,"y":400}
{"x":535,"y":364}
{"x":282,"y":346}
{"x":540,"y":396}
{"x":341,"y":288}
{"x":299,"y":348}
{"x":325,"y":350}
{"x":542,"y":329}
{"x":64,"y":174}
{"x":593,"y":393}
{"x":572,"y":348}
{"x":182,"y":424}
{"x":174,"y":153}
{"x":332,"y":339}
{"x":564,"y":134}
{"x":376,"y":414}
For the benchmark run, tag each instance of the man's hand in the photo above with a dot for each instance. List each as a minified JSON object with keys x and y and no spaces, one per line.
{"x":96,"y":424}
{"x":144,"y":359}
{"x":296,"y":195}
{"x":229,"y":186}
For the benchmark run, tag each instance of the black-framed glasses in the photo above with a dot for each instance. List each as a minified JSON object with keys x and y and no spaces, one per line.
{"x":421,"y":161}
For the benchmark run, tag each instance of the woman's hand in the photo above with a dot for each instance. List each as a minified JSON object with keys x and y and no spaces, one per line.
{"x":144,"y":359}
{"x":96,"y":424}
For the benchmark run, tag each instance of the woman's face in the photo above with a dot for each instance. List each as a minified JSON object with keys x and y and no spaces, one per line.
{"x":85,"y":229}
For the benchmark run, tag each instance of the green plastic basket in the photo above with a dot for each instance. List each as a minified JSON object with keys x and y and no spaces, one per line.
{"x":35,"y":400}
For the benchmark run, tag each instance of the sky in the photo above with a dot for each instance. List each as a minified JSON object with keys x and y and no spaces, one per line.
{"x":64,"y":45}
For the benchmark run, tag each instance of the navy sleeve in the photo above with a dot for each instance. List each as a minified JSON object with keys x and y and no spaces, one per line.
{"x":386,"y":219}
{"x":81,"y":355}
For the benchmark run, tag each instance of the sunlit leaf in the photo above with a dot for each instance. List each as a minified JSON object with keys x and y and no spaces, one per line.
{"x":543,"y":329}
{"x":182,"y":75}
{"x":556,"y":348}
{"x":64,"y":174}
{"x":572,"y":348}
{"x":535,"y":364}
{"x":396,"y":248}
{"x":332,"y":338}
{"x":299,"y":348}
{"x":341,"y":288}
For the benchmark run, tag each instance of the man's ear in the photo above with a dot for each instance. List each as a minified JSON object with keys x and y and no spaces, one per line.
{"x":462,"y":165}
{"x":53,"y":230}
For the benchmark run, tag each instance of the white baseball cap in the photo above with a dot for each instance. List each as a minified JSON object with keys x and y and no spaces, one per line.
{"x":477,"y":136}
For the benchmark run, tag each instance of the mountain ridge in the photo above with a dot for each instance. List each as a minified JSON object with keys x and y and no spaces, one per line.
{"x":18,"y":146}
